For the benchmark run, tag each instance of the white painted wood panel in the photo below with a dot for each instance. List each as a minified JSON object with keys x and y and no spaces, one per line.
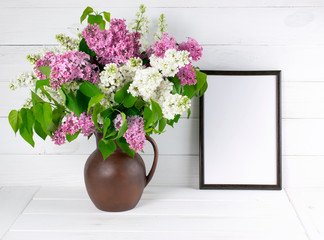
{"x":67,"y":170}
{"x":206,"y":235}
{"x":309,"y":205}
{"x":229,"y":25}
{"x":297,"y":62}
{"x":287,"y":226}
{"x":170,"y":193}
{"x":13,"y":201}
{"x":166,"y":3}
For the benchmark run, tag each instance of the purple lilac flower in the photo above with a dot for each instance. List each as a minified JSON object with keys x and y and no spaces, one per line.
{"x":187,"y":75}
{"x":48,"y":60}
{"x":162,"y":45}
{"x":115,"y":45}
{"x":193,"y":47}
{"x":73,"y":124}
{"x":59,"y":136}
{"x":135,"y":134}
{"x":72,"y":65}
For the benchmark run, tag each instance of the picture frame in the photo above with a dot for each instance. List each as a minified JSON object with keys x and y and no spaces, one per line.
{"x":240,"y":131}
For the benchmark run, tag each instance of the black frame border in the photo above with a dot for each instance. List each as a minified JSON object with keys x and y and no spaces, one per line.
{"x":278,"y":185}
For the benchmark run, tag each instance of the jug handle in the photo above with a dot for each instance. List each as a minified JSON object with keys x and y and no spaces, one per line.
{"x":156,"y":155}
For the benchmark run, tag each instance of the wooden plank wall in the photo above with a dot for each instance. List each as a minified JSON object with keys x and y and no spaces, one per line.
{"x":282,"y":35}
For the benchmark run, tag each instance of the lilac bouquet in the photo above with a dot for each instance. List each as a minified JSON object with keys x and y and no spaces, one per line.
{"x":109,"y":80}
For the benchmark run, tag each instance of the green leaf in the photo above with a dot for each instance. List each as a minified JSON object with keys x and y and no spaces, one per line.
{"x":92,"y":19}
{"x":106,"y":124}
{"x":177,"y":87}
{"x":129,"y":101}
{"x":27,"y":119}
{"x":70,"y":138}
{"x":94,"y":100}
{"x":107,"y":113}
{"x":203,"y":89}
{"x":107,"y":16}
{"x":106,"y":147}
{"x":124,"y":126}
{"x":132,"y":112}
{"x":189,"y":90}
{"x":201,"y":79}
{"x":82,"y":101}
{"x":39,"y":83}
{"x":89,"y":89}
{"x":35,"y":98}
{"x":47,"y":95}
{"x":39,"y":130}
{"x":139,"y":104}
{"x":26,"y":135}
{"x":46,"y":70}
{"x":157,"y":111}
{"x":121,"y":94}
{"x":83,"y":47}
{"x":98,"y":108}
{"x":189,"y":113}
{"x":77,"y":104}
{"x":57,"y":116}
{"x":162,"y":124}
{"x":121,"y":142}
{"x":13,"y":118}
{"x":43,"y":114}
{"x":148,"y":117}
{"x":85,"y":13}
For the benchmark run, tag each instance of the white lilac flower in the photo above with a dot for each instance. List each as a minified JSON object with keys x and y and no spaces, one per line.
{"x":132,"y":66}
{"x":110,"y":81}
{"x":173,"y":104}
{"x":27,"y":79}
{"x":140,"y":24}
{"x":145,"y":83}
{"x":172,"y":61}
{"x":34,"y":57}
{"x":161,"y":28}
{"x":67,"y":43}
{"x":28,"y":103}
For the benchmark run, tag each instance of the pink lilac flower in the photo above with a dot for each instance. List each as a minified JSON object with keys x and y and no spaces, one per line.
{"x":118,"y":122}
{"x":59,"y":136}
{"x":187,"y":75}
{"x":86,"y":124}
{"x":193,"y":47}
{"x":72,"y":65}
{"x":48,"y":60}
{"x":115,"y":45}
{"x":162,"y":45}
{"x":73,"y":124}
{"x":135,"y":134}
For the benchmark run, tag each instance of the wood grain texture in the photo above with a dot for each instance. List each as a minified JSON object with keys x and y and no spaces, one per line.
{"x":13,"y":201}
{"x":308,"y":203}
{"x":67,"y":170}
{"x":206,"y":235}
{"x":166,"y":3}
{"x":274,"y":25}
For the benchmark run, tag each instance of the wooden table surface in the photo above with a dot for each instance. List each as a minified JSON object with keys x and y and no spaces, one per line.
{"x":164,"y":212}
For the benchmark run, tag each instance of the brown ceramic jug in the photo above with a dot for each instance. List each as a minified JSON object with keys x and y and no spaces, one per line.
{"x":116,"y":184}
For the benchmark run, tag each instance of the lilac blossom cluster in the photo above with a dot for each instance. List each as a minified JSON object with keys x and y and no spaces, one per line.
{"x":67,"y":67}
{"x":135,"y":134}
{"x":186,"y":74}
{"x":115,"y":45}
{"x":73,"y":124}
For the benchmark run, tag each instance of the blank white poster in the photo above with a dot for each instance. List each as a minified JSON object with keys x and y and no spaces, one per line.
{"x":240,"y":131}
